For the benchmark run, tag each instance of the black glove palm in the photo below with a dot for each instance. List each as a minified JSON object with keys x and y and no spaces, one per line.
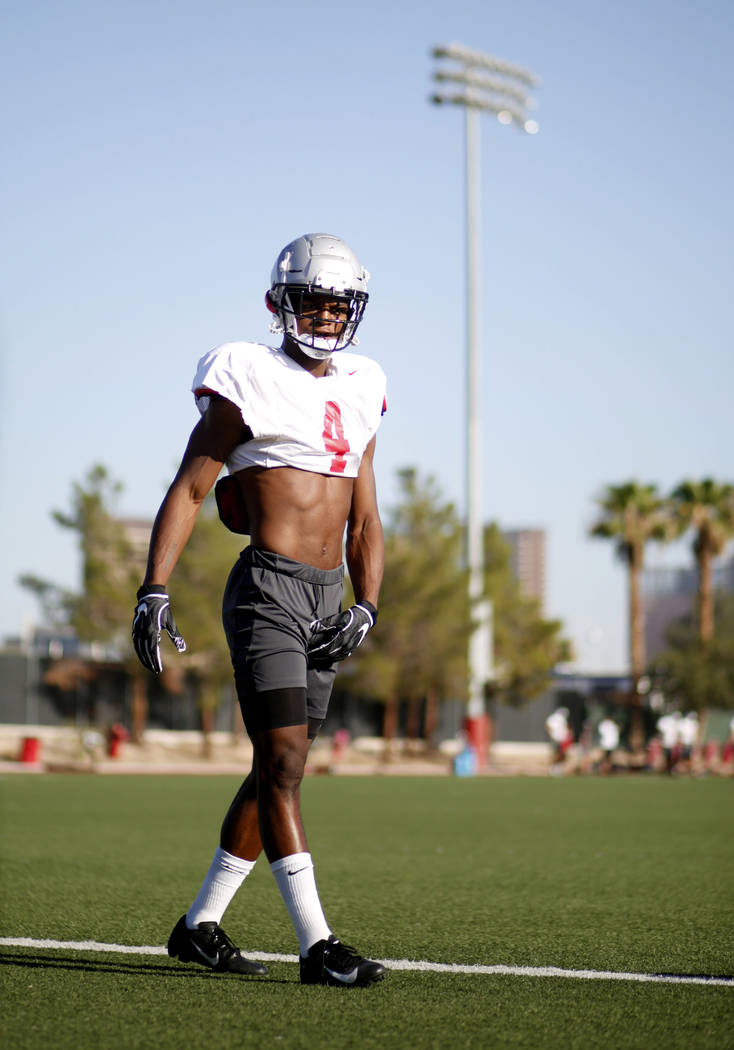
{"x":336,"y":637}
{"x":152,"y":616}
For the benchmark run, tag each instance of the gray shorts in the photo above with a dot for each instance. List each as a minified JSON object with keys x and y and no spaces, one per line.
{"x":268,"y":606}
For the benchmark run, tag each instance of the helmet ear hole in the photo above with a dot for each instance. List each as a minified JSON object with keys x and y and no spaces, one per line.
{"x":269,"y":303}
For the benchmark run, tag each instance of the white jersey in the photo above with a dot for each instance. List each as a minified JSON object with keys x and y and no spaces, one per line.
{"x":688,"y":730}
{"x":557,"y":726}
{"x":321,"y":424}
{"x":608,"y":735}
{"x":668,"y":729}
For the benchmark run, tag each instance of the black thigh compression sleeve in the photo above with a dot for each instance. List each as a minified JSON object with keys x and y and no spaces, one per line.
{"x":274,"y":709}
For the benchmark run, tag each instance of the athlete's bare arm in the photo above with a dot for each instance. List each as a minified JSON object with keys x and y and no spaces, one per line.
{"x":365,"y":541}
{"x":214,"y":437}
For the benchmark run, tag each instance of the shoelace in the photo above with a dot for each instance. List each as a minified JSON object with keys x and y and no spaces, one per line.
{"x":220,"y":940}
{"x":344,"y":955}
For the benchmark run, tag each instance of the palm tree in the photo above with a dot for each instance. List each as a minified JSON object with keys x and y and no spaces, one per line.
{"x":632,"y":515}
{"x":707,"y":507}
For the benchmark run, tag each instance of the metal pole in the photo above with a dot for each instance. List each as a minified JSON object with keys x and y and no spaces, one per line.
{"x":503,"y":94}
{"x":475,"y":560}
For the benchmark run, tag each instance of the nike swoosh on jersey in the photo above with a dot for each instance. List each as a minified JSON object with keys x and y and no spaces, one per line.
{"x":345,"y":978}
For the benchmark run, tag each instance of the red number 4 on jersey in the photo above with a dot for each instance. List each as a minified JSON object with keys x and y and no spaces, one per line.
{"x":334,"y":439}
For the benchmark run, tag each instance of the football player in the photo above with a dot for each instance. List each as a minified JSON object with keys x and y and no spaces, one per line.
{"x":295,"y":425}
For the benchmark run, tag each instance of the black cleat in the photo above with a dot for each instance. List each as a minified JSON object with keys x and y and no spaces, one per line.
{"x":210,"y":946}
{"x":336,"y":964}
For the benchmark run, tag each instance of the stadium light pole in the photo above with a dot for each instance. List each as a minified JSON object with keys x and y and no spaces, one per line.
{"x":479,"y":83}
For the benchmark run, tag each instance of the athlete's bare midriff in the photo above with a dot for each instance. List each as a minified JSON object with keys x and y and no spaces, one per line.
{"x":296,"y":513}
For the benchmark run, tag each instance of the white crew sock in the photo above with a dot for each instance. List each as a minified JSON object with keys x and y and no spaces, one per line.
{"x":225,"y":876}
{"x":297,"y":884}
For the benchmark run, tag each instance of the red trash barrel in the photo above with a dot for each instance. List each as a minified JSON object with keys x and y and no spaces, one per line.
{"x":31,"y":750}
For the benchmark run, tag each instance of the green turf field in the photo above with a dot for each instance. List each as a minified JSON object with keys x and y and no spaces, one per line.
{"x":628,"y":874}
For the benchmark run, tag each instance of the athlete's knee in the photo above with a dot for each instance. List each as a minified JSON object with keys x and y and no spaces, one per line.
{"x":281,"y":759}
{"x":283,"y":776}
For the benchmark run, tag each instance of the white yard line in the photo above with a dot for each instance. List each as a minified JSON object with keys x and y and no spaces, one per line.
{"x":394,"y":964}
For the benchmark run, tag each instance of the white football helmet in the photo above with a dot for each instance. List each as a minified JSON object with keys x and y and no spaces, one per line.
{"x":317,"y":264}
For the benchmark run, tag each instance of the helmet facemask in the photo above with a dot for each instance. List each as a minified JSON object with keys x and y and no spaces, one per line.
{"x":318,"y":266}
{"x":298,"y":303}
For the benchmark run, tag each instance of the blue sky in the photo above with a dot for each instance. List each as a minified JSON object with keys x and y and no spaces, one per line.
{"x":159,"y":155}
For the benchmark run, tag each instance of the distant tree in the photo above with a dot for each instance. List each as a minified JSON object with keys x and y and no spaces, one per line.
{"x":632,"y":515}
{"x":706,"y":507}
{"x":56,"y":602}
{"x":527,"y":647}
{"x":418,"y":651}
{"x":101,"y":610}
{"x":699,"y":677}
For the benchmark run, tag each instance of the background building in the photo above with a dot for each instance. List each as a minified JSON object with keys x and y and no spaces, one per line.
{"x":670,"y":594}
{"x":528,"y":561}
{"x":137,"y":534}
